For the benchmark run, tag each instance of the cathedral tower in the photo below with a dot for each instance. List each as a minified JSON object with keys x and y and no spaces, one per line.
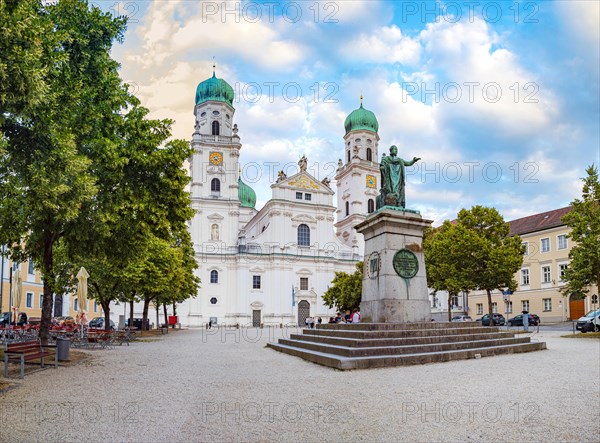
{"x":357,"y":175}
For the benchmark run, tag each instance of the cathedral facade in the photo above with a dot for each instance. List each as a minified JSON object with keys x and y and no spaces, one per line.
{"x":272,"y":266}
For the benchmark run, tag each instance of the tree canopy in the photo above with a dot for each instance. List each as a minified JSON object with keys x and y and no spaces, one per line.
{"x":346,"y":290}
{"x":584,"y":220}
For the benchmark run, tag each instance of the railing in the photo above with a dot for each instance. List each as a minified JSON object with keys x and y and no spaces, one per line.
{"x":216,"y":138}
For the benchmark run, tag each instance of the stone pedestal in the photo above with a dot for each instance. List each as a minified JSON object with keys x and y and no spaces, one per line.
{"x":386,"y":296}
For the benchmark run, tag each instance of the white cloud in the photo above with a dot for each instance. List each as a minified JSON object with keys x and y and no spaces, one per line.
{"x":386,"y":44}
{"x":583,"y":20}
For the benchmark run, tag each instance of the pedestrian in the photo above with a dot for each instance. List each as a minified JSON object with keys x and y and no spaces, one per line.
{"x":526,"y":321}
{"x":348,"y":316}
{"x":319,"y":320}
{"x":356,"y":316}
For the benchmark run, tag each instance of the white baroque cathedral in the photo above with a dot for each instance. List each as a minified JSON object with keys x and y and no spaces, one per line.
{"x":271,"y":266}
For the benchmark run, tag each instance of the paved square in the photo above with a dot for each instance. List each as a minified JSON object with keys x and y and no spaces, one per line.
{"x":225,"y":385}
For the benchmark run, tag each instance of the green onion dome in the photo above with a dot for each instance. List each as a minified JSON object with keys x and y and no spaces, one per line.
{"x":361,"y":118}
{"x":246,"y":195}
{"x":215,"y":89}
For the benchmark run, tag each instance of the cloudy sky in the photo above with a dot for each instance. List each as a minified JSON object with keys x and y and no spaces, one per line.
{"x":499,"y":99}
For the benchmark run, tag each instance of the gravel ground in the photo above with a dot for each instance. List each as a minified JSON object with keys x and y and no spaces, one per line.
{"x":198,"y":385}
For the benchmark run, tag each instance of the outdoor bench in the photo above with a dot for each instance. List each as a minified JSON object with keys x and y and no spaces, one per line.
{"x":26,"y":351}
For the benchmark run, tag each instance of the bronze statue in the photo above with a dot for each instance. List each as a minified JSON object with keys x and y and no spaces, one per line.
{"x":393,"y":179}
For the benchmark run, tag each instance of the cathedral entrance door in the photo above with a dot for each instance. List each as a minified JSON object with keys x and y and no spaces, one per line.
{"x":256,"y":318}
{"x":303,"y":312}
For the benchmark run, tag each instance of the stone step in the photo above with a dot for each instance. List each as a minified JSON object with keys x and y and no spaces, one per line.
{"x":357,"y":343}
{"x":399,"y":350}
{"x":397,"y":333}
{"x":400,"y":326}
{"x":346,"y":363}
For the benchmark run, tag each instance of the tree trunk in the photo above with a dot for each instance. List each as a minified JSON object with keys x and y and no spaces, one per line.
{"x":106,"y":308}
{"x":490,"y":310}
{"x":131,"y":313}
{"x":166,"y":318}
{"x":174,"y":308}
{"x":157,"y":314}
{"x":48,"y":280}
{"x":145,"y":311}
{"x":449,"y":306}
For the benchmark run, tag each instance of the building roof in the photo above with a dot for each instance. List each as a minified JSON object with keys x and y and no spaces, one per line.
{"x":214,"y":89}
{"x":361,"y":118}
{"x":538,"y":222}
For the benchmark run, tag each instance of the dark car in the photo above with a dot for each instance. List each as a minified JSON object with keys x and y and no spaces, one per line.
{"x":499,"y":320}
{"x":98,"y":322}
{"x":534,"y":320}
{"x":4,"y":319}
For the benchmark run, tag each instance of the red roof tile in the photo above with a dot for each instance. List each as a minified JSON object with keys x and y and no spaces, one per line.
{"x":538,"y":222}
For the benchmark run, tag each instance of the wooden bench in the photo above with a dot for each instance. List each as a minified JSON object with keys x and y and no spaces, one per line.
{"x":26,"y":351}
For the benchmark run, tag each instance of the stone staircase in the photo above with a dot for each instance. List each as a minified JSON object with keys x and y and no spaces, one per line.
{"x":376,"y":345}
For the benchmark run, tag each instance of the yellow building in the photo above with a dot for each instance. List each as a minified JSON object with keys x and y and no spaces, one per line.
{"x":33,"y":291}
{"x":547,"y":255}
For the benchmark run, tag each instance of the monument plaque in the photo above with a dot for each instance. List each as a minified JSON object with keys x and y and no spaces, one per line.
{"x":406,"y":263}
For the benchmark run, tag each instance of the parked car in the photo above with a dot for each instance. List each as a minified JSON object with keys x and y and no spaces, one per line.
{"x":590,"y":322}
{"x":98,"y":322}
{"x":499,"y":320}
{"x":4,"y":319}
{"x":534,"y":320}
{"x":459,"y":318}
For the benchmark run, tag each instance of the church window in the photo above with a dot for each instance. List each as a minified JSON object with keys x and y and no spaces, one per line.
{"x":369,"y":141}
{"x":357,"y":140}
{"x":303,"y":235}
{"x":227,"y":116}
{"x":215,"y":185}
{"x":304,"y":283}
{"x":214,"y":276}
{"x":307,"y":197}
{"x":370,"y":205}
{"x":203,"y":114}
{"x":298,"y":195}
{"x":213,"y":301}
{"x":214,"y":232}
{"x":347,"y":209}
{"x":215,"y":128}
{"x":215,"y":113}
{"x":256,"y":282}
{"x":348,"y":156}
{"x":369,"y":154}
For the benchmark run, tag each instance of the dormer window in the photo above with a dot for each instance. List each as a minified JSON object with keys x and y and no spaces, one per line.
{"x":216,"y":128}
{"x":215,"y":113}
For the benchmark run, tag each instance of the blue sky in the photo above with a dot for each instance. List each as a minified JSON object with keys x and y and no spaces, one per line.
{"x":499,"y":99}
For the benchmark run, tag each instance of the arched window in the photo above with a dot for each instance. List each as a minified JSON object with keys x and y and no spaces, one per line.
{"x":214,"y":276}
{"x":215,"y":128}
{"x":214,"y":232}
{"x":369,"y":154}
{"x":347,"y":209}
{"x":303,"y":235}
{"x":370,"y":205}
{"x":348,"y":156}
{"x":215,"y":185}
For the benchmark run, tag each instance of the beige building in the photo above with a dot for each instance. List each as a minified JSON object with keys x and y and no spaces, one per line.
{"x":33,"y":290}
{"x":547,"y":255}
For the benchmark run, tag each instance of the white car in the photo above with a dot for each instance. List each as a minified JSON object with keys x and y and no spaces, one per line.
{"x":590,"y":322}
{"x":458,"y":318}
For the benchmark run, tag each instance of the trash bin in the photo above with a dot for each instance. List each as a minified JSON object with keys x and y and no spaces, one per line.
{"x":63,"y":345}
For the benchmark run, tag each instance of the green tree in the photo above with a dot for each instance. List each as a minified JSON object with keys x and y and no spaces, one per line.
{"x":584,"y":220}
{"x":346,"y":290}
{"x":449,"y":259}
{"x":51,"y":143}
{"x":495,"y":256}
{"x":26,"y":42}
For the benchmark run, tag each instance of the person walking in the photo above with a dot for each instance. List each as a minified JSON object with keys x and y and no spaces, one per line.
{"x":356,"y":316}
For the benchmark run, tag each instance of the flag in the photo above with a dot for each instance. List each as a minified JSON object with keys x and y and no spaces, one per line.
{"x":293,"y":299}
